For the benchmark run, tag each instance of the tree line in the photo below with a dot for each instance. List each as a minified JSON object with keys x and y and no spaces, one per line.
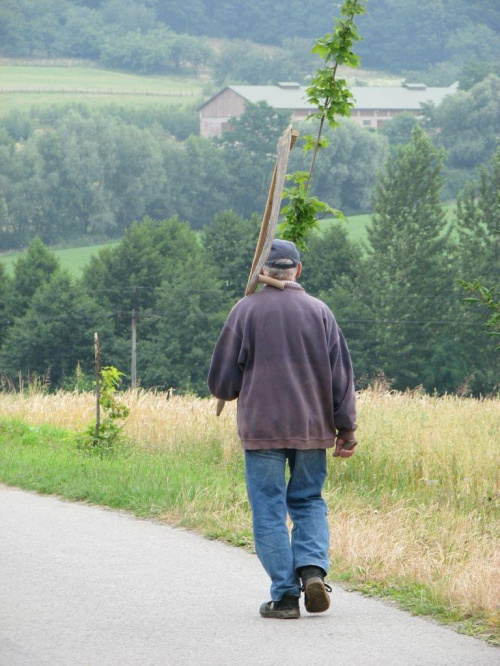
{"x":73,"y":173}
{"x":436,"y":40}
{"x":398,"y":300}
{"x":139,"y":37}
{"x":91,"y":174}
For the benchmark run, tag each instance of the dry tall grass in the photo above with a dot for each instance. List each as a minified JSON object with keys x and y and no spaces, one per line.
{"x":157,"y":420}
{"x":419,"y":503}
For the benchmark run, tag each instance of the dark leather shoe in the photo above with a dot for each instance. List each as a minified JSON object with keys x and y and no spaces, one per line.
{"x":316,"y":597}
{"x":285,"y":609}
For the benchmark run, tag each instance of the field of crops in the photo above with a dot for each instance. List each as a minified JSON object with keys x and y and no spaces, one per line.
{"x":23,"y":86}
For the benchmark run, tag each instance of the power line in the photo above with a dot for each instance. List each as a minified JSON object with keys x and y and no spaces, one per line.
{"x":147,"y":314}
{"x":220,"y":290}
{"x":405,"y":321}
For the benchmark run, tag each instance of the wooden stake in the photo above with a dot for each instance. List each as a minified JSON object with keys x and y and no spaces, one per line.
{"x":133,"y":368}
{"x":269,"y":221}
{"x":134,"y":351}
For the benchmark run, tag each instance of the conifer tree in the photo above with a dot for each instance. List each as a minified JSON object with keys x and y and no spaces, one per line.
{"x":478,"y":264}
{"x":31,"y":270}
{"x":408,"y":276}
{"x":55,"y":333}
{"x":478,"y":225}
{"x":229,"y":244}
{"x":5,"y":290}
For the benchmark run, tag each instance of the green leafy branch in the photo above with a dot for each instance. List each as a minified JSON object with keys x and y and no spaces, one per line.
{"x":485,"y":296}
{"x":333,"y":98}
{"x":302,"y":210}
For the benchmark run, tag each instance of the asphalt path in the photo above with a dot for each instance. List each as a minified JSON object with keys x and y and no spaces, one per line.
{"x":85,"y":586}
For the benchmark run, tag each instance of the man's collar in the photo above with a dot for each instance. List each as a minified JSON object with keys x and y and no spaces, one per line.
{"x":292,"y":283}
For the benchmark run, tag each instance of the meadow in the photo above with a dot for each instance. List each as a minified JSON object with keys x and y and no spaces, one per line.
{"x":73,"y":259}
{"x":356,"y":226}
{"x":23,"y":86}
{"x":414,"y":515}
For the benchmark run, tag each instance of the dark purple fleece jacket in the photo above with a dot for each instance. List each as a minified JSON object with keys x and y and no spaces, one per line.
{"x":283,"y":355}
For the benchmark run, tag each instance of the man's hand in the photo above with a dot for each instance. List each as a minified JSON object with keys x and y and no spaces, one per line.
{"x":345,"y":448}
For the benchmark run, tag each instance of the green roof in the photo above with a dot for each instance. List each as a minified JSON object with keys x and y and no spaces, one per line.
{"x":293,"y":96}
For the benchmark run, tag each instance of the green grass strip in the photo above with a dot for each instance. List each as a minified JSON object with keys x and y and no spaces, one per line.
{"x":165,"y":484}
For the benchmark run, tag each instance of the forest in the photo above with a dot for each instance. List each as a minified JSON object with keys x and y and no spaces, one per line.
{"x":186,"y":209}
{"x":89,"y":173}
{"x":145,"y":35}
{"x":398,"y":300}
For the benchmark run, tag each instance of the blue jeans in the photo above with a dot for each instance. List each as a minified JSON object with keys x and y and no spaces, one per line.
{"x":271,"y":499}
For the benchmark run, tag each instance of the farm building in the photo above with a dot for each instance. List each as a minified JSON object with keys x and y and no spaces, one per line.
{"x":373,"y":105}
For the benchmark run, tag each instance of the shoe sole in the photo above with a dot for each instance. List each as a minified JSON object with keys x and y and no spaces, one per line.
{"x":292,"y":614}
{"x":282,"y":615}
{"x":316,"y":597}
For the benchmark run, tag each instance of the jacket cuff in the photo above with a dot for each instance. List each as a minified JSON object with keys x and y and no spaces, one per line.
{"x":347,"y":435}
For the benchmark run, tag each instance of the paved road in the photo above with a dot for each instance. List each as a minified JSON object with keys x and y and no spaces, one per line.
{"x":84,"y":586}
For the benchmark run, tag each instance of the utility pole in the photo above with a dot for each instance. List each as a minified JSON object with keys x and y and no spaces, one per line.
{"x":133,"y":373}
{"x":97,"y":359}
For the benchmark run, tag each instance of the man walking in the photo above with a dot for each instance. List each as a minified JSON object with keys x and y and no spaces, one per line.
{"x":283,"y":356}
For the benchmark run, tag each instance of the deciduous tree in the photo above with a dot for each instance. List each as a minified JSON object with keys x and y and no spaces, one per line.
{"x":346,"y":173}
{"x":468,"y":126}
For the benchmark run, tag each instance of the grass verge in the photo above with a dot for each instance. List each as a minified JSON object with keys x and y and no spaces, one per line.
{"x":414,"y":516}
{"x":190,"y":487}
